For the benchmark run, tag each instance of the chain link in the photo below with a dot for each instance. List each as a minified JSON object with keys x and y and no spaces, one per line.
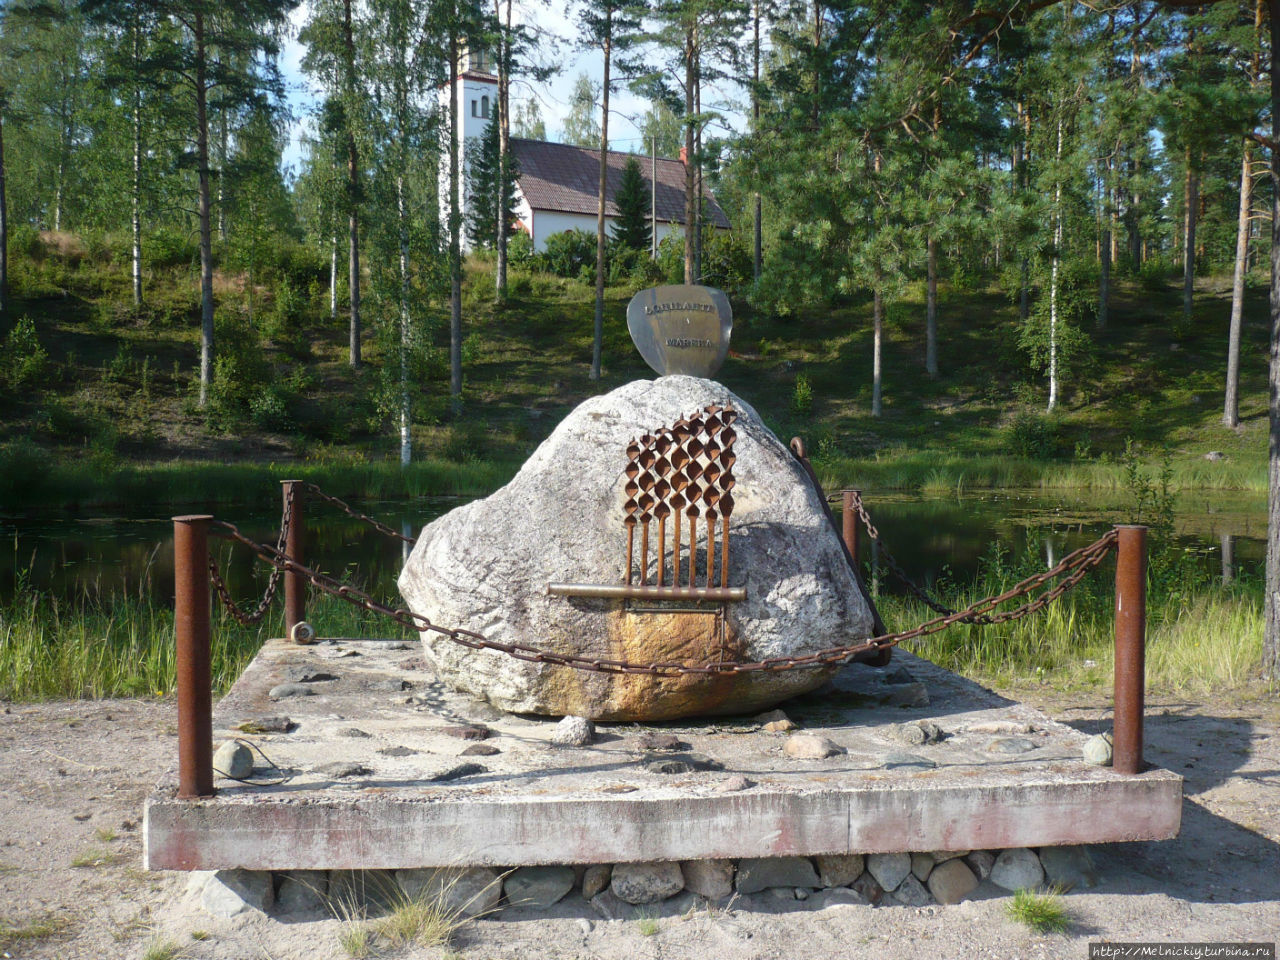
{"x":356,"y":514}
{"x":1073,"y":568}
{"x":247,"y":619}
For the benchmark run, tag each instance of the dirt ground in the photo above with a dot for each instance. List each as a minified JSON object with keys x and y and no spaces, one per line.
{"x":73,"y":776}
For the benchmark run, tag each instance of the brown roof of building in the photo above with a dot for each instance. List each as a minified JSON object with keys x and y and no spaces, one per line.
{"x":565,"y":178}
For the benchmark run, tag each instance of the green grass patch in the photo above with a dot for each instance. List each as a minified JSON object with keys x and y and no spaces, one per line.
{"x":1042,"y":912}
{"x":42,"y":928}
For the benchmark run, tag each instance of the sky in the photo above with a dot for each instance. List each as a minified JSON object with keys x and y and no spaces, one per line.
{"x":626,"y":110}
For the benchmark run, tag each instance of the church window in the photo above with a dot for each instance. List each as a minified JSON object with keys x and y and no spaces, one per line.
{"x":473,"y":109}
{"x":484,"y":107}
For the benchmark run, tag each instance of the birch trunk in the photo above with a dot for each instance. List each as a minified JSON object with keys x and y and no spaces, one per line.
{"x":1231,"y":400}
{"x":597,"y":336}
{"x":206,"y":238}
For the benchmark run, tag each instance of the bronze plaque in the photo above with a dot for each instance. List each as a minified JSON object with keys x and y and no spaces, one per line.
{"x":681,"y":329}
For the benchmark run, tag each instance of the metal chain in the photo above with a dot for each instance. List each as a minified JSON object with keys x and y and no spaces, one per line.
{"x":247,"y":619}
{"x":362,"y":517}
{"x":1075,"y":566}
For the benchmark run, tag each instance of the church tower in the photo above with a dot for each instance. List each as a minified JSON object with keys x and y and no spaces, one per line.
{"x":476,"y":100}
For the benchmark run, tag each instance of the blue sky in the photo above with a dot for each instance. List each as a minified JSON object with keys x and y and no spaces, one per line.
{"x":626,"y":110}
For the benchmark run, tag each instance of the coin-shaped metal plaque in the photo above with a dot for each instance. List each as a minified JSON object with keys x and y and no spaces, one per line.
{"x":681,"y":329}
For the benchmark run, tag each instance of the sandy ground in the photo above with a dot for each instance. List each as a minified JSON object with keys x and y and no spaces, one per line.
{"x":73,"y":776}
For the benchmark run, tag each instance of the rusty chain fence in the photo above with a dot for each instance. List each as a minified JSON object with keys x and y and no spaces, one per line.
{"x":195,"y":571}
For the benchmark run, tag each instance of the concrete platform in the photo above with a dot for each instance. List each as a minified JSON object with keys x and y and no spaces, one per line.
{"x":1003,"y":776}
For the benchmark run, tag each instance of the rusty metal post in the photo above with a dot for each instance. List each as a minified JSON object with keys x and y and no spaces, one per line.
{"x":191,"y":626}
{"x":849,"y":515}
{"x":1131,"y":627}
{"x":295,"y":586}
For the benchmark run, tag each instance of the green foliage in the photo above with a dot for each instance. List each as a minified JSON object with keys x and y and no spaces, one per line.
{"x":570,"y":253}
{"x":24,"y":361}
{"x":488,"y":188}
{"x":1042,"y":912}
{"x":632,"y":228}
{"x":802,"y":395}
{"x":1035,"y":436}
{"x":580,"y":124}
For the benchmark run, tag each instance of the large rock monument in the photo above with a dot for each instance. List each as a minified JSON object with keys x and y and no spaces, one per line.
{"x":488,"y":566}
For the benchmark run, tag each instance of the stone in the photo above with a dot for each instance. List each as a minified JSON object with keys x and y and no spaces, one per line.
{"x":480,"y":710}
{"x":981,"y":862}
{"x":396,"y":685}
{"x":355,"y":733}
{"x":901,"y":675}
{"x":1017,"y":869}
{"x":302,"y":891}
{"x":305,"y":674}
{"x":1213,"y":456}
{"x":607,"y":904}
{"x":485,"y":566}
{"x":479,"y":750}
{"x":574,"y":732}
{"x":761,"y":873}
{"x":800,"y":893}
{"x":867,"y":888}
{"x":470,"y":731}
{"x":681,"y":328}
{"x":398,"y":751}
{"x":282,"y":690}
{"x":596,"y":878}
{"x":839,"y":870}
{"x":922,"y":865}
{"x":952,"y":881}
{"x":461,"y":891}
{"x":772,"y":716}
{"x":942,"y":856}
{"x":889,"y":869}
{"x":1068,"y":867}
{"x":840,"y":896}
{"x":1000,"y":726}
{"x":920,"y":732}
{"x":809,"y":746}
{"x":233,"y":760}
{"x":229,"y":893}
{"x":538,"y":887}
{"x":780,"y":726}
{"x":907,"y":761}
{"x":1098,"y":750}
{"x":734,"y":784}
{"x":712,"y":879}
{"x":341,"y":769}
{"x":689,"y":763}
{"x":911,"y":893}
{"x":457,"y":772}
{"x":267,"y":725}
{"x":646,"y":882}
{"x":658,"y":741}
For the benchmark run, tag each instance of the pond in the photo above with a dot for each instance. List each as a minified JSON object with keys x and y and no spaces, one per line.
{"x":131,"y":551}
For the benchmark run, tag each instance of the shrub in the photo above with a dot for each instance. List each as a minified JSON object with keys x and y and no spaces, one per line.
{"x":167,"y":248}
{"x":802,"y":395}
{"x":519,"y":247}
{"x":568,"y":253}
{"x":269,"y":410}
{"x":726,"y":261}
{"x":1033,"y":436}
{"x":25,"y":360}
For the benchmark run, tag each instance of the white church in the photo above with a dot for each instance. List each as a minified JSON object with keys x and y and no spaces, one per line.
{"x":557,"y":184}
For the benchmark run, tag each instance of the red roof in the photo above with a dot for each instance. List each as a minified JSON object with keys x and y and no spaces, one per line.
{"x":566,"y":178}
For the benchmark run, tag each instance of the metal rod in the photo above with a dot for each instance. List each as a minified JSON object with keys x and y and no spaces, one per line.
{"x":623,"y":591}
{"x":644,"y":552}
{"x":662,"y":547}
{"x":711,"y":550}
{"x":631,"y":547}
{"x":295,"y":585}
{"x":191,"y":630}
{"x":724,"y":551}
{"x":1131,"y":626}
{"x":849,"y":515}
{"x":693,"y":552}
{"x":675,"y":551}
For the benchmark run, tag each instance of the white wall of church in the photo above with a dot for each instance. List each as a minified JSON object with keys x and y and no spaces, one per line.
{"x":476,"y":105}
{"x":547,"y":222}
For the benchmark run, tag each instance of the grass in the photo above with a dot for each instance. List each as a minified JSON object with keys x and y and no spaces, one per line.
{"x":94,"y":857}
{"x":105,"y":834}
{"x":161,"y":949}
{"x":123,"y":645}
{"x":43,"y":928}
{"x":1042,"y":912}
{"x":647,"y":925}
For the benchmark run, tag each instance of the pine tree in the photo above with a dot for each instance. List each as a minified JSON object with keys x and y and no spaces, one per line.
{"x":485,"y":193}
{"x":632,"y":228}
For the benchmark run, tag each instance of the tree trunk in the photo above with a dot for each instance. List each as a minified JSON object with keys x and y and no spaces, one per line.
{"x":333,"y":276}
{"x":1053,"y":281}
{"x":1231,"y":400}
{"x":755,"y":128}
{"x":1271,"y":612}
{"x":877,"y":319}
{"x":402,"y":215}
{"x":353,"y":192}
{"x":931,"y":311}
{"x":696,"y":159}
{"x":136,"y":193}
{"x":504,"y":146}
{"x":597,"y":336}
{"x":206,"y":239}
{"x":222,"y":174}
{"x":1191,"y":198}
{"x":4,"y":227}
{"x":455,"y":241}
{"x":689,"y":198}
{"x":1104,"y":255}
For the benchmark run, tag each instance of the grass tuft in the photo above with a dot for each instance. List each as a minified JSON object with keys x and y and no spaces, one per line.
{"x":647,"y":925}
{"x":161,"y":949}
{"x":354,"y":938}
{"x":94,"y":857}
{"x":1042,"y":912}
{"x":43,"y":928}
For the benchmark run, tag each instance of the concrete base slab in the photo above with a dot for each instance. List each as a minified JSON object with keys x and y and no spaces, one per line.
{"x":380,"y":777}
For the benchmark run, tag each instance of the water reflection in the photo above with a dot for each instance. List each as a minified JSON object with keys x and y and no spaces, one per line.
{"x":931,"y":537}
